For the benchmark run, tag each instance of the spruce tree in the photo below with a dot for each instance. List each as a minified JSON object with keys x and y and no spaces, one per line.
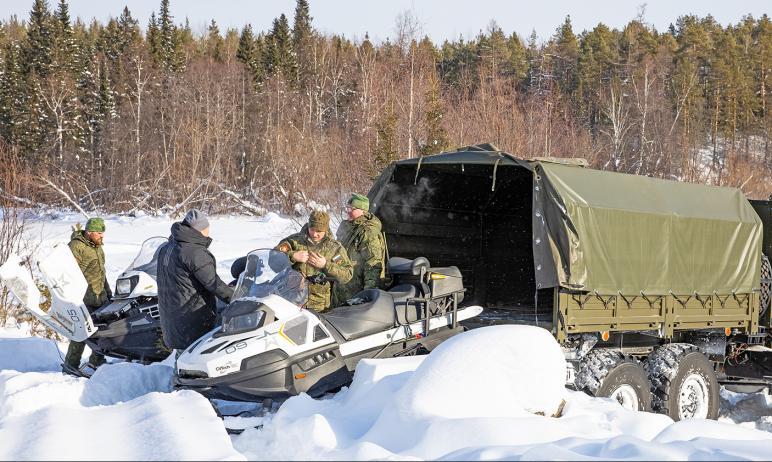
{"x":436,"y":137}
{"x":301,"y":41}
{"x":385,"y":151}
{"x":153,"y":37}
{"x":65,"y":48}
{"x":279,"y":57}
{"x":38,"y":52}
{"x":249,"y":53}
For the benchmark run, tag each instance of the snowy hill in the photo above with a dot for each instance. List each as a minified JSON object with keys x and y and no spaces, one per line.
{"x":475,"y":397}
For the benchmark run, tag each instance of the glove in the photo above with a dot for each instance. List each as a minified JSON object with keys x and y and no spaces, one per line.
{"x":319,"y":278}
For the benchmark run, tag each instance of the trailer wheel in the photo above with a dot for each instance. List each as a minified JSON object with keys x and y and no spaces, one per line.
{"x":766,"y":285}
{"x":683,"y":383}
{"x":611,"y":374}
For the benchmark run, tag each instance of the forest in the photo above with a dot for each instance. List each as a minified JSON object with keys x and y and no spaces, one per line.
{"x":124,"y":117}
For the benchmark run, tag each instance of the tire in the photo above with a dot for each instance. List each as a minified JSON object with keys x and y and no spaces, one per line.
{"x":611,"y":374}
{"x":766,"y":286}
{"x":683,"y":382}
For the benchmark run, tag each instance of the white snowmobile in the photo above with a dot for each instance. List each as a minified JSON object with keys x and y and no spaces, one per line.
{"x":270,"y":347}
{"x":127,"y":327}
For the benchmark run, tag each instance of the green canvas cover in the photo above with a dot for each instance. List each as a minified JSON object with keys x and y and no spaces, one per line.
{"x":613,"y":232}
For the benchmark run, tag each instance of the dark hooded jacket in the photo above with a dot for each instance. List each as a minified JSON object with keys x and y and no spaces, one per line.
{"x":187,"y":286}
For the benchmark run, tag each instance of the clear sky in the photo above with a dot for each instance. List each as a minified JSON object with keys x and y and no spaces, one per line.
{"x":440,"y":19}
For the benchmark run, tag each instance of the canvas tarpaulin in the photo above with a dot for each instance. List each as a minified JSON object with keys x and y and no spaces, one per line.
{"x":615,"y":232}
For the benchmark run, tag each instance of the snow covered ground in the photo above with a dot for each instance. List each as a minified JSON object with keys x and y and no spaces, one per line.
{"x":472,"y":398}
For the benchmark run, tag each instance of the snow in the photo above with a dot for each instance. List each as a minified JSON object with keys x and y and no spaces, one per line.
{"x":514,"y":381}
{"x":458,"y":404}
{"x":478,"y":396}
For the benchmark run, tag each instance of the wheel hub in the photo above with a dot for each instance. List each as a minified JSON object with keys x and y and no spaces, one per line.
{"x":626,"y":396}
{"x":693,"y":398}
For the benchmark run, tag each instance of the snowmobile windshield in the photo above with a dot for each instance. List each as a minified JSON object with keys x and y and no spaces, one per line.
{"x":147,"y":259}
{"x":269,"y":272}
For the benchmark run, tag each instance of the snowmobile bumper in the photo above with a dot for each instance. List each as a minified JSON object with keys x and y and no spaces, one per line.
{"x":272,"y":375}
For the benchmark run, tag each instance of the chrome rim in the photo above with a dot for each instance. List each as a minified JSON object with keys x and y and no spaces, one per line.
{"x":693,"y":398}
{"x":626,"y":396}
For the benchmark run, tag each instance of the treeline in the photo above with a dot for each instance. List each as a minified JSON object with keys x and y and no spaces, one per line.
{"x":106,"y":117}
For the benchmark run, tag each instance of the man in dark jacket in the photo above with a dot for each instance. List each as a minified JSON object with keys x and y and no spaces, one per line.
{"x":188,"y":283}
{"x":86,"y":247}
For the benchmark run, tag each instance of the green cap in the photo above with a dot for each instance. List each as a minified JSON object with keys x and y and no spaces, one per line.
{"x":319,"y":221}
{"x":96,"y":225}
{"x":358,"y":201}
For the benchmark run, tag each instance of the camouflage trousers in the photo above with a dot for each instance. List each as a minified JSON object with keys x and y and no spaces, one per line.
{"x":74,"y":353}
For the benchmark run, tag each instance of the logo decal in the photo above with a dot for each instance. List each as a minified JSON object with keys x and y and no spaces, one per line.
{"x":284,"y":247}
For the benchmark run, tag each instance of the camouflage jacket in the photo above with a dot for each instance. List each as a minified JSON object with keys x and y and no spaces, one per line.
{"x":338,"y":265}
{"x":366,"y":248}
{"x":91,"y":259}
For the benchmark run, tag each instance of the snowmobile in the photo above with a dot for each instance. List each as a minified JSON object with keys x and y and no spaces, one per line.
{"x":128,"y":327}
{"x":269,"y":347}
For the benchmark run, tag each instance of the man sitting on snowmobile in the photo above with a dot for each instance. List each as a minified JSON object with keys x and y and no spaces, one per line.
{"x":86,"y":247}
{"x":360,"y":234}
{"x":188,"y":282}
{"x":318,"y":256}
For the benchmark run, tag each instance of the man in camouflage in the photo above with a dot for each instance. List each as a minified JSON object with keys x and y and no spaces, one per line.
{"x":314,"y":252}
{"x":361,"y":236}
{"x":86,"y":247}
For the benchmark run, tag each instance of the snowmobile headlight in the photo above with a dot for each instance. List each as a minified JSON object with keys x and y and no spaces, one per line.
{"x":242,"y":323}
{"x":123,"y":287}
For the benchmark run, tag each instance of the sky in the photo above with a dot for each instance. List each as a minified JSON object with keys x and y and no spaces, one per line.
{"x":439,"y":19}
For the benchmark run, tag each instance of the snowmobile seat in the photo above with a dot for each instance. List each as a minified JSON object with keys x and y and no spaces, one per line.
{"x":406,"y":312}
{"x":375,"y":314}
{"x":399,"y":265}
{"x":402,"y":292}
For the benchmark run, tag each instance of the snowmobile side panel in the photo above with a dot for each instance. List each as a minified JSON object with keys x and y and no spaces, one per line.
{"x":67,"y":315}
{"x":399,"y":333}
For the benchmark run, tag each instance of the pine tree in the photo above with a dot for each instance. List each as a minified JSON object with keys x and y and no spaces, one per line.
{"x":566,"y":50}
{"x":129,"y":33}
{"x":517,"y":61}
{"x":214,"y":43}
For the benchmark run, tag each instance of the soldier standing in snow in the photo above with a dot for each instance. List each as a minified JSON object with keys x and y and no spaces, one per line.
{"x":86,"y":247}
{"x":361,"y":236}
{"x":314,"y":253}
{"x":188,"y":282}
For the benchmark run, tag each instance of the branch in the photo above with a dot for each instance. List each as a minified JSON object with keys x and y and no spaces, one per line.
{"x":66,"y":196}
{"x":257,"y":210}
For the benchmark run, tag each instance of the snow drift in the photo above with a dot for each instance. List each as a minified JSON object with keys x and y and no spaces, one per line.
{"x":474,"y":398}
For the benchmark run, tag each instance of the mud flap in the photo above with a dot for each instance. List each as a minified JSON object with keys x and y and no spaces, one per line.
{"x":61,"y":274}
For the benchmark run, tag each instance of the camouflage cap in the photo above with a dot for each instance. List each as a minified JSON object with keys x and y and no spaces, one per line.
{"x":95,"y":224}
{"x":359,"y":201}
{"x":319,"y":221}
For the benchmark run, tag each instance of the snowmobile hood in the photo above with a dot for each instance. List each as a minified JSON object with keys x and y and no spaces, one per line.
{"x":184,"y":233}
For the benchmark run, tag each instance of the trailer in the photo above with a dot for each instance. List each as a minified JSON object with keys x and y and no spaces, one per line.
{"x":657,"y":290}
